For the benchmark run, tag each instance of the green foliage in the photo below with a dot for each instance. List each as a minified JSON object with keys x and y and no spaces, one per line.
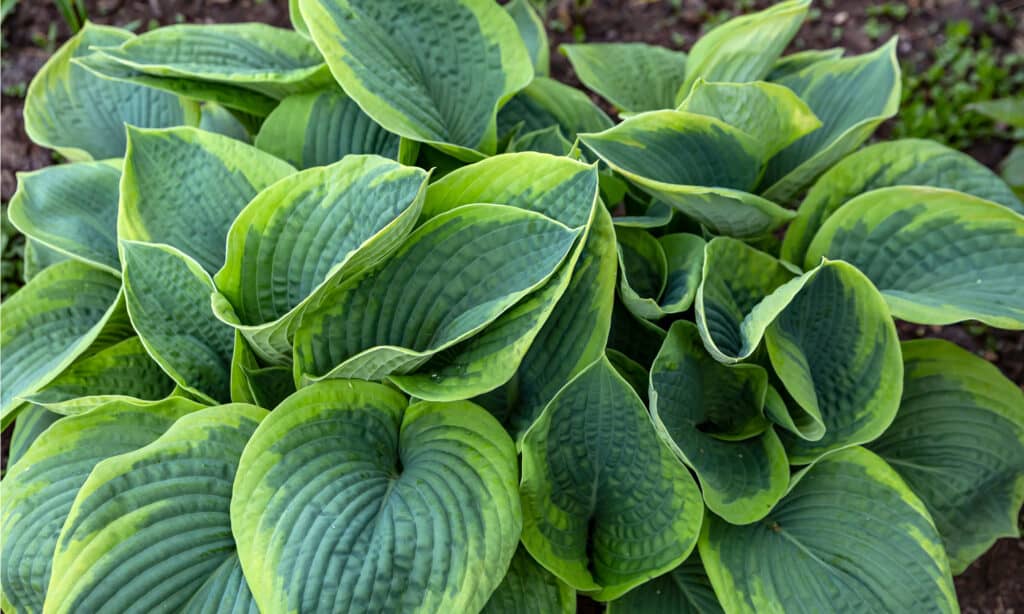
{"x":373,"y":316}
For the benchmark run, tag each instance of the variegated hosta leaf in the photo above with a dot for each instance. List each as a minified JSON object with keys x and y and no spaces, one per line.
{"x":532,"y":31}
{"x":121,"y":370}
{"x":938,"y":256}
{"x":744,"y":48}
{"x":837,"y":323}
{"x":653,"y":215}
{"x":545,"y":103}
{"x":528,"y":587}
{"x":72,"y":208}
{"x":305,"y":234}
{"x":770,"y":113}
{"x":731,"y":309}
{"x":252,"y":56}
{"x":229,"y":96}
{"x":429,"y":70}
{"x":216,"y":118}
{"x":168,"y":299}
{"x":31,"y":423}
{"x":150,"y":527}
{"x":575,"y":333}
{"x":958,"y":441}
{"x":38,"y":257}
{"x":454,"y":275}
{"x":872,"y":79}
{"x":849,"y":536}
{"x":39,"y":490}
{"x":697,"y":164}
{"x":49,"y":323}
{"x":634,"y":77}
{"x":795,"y":62}
{"x":322,"y":127}
{"x":904,"y":162}
{"x":81,"y":115}
{"x":712,"y":416}
{"x":185,"y":187}
{"x":548,"y":140}
{"x":659,"y":275}
{"x":684,"y":590}
{"x":606,"y":506}
{"x":254,"y":383}
{"x":417,"y":512}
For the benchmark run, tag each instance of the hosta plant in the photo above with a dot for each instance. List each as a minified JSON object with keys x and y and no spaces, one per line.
{"x":373,"y":315}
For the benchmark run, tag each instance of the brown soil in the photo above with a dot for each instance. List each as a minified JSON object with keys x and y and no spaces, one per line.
{"x":994,"y":583}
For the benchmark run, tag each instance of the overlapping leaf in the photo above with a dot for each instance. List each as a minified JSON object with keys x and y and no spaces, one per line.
{"x":659,"y":275}
{"x":684,"y":590}
{"x":634,"y":77}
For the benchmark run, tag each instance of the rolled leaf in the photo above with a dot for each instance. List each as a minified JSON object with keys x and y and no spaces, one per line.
{"x":634,"y":77}
{"x":849,"y":535}
{"x":659,"y":276}
{"x":872,"y":79}
{"x":81,"y":115}
{"x":40,"y":488}
{"x":322,"y":127}
{"x":937,"y":256}
{"x":430,"y":71}
{"x":606,"y":506}
{"x":416,"y":513}
{"x":168,"y":299}
{"x":958,"y":441}
{"x":223,"y":175}
{"x":280,"y":259}
{"x":883,"y":165}
{"x":175,"y":495}
{"x":72,"y":208}
{"x":51,"y":322}
{"x":712,"y":416}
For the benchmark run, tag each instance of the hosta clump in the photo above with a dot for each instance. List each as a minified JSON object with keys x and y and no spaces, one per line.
{"x":374,"y":315}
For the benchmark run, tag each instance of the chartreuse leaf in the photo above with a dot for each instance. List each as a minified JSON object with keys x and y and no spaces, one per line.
{"x":837,"y":323}
{"x":430,"y":71}
{"x":71,"y":208}
{"x":698,"y":164}
{"x":39,"y":257}
{"x":659,"y":275}
{"x":873,"y":79}
{"x":712,"y":416}
{"x":49,"y":323}
{"x":528,"y":587}
{"x":892,"y":163}
{"x":634,"y":77}
{"x":795,"y":62}
{"x":684,"y":590}
{"x":31,"y":423}
{"x":279,"y":259}
{"x":730,"y":309}
{"x":417,"y":512}
{"x":184,"y":187}
{"x":82,"y":116}
{"x":547,"y":102}
{"x":455,"y":274}
{"x":958,"y":441}
{"x":107,"y":68}
{"x":606,"y":506}
{"x":168,"y":299}
{"x":849,"y":535}
{"x":149,"y":527}
{"x":122,"y":370}
{"x":744,"y":48}
{"x":39,"y":490}
{"x":322,"y":127}
{"x":253,"y":56}
{"x":216,"y":118}
{"x":937,"y":256}
{"x":770,"y":113}
{"x":535,"y":37}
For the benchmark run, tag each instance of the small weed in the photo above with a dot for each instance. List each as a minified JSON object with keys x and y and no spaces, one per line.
{"x":17,"y":90}
{"x":46,"y":42}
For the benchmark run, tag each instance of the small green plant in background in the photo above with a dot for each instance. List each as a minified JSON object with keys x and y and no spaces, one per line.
{"x":73,"y":12}
{"x":314,"y":327}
